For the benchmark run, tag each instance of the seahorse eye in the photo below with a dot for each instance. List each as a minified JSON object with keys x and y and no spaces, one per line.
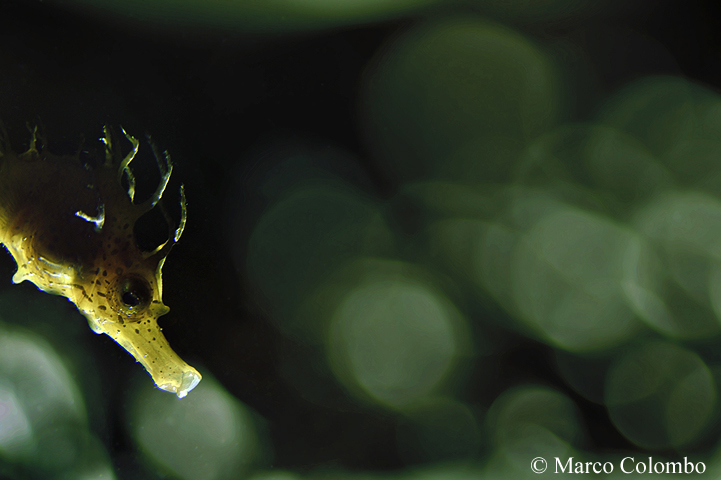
{"x":134,"y":294}
{"x":131,"y":299}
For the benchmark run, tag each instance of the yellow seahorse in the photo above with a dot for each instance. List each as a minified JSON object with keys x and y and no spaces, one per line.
{"x":69,"y":226}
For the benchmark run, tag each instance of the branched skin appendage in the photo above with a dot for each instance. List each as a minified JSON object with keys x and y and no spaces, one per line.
{"x":69,"y":227}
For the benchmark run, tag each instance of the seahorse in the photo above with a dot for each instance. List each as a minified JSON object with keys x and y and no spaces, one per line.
{"x":69,"y":225}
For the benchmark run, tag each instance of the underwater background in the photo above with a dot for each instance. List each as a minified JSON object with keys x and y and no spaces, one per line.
{"x":426,"y":239}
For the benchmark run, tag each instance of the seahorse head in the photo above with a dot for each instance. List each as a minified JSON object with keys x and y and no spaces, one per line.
{"x":70,"y":227}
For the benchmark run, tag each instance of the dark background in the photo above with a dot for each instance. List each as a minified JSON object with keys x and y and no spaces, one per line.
{"x":215,"y":99}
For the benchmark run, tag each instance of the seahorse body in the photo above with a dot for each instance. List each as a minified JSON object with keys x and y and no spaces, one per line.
{"x":69,"y":227}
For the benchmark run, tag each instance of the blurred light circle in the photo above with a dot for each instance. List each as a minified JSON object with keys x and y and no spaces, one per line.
{"x":656,"y":110}
{"x":258,"y":16}
{"x":677,"y":120}
{"x":679,"y":296}
{"x":567,"y":275}
{"x":304,"y":237}
{"x":209,"y":435}
{"x":442,"y":471}
{"x":41,"y":380}
{"x":689,"y":221}
{"x":715,"y":288}
{"x":457,"y":99}
{"x":532,"y":11}
{"x":274,"y":475}
{"x":660,"y":395}
{"x":395,"y":339}
{"x":15,"y":428}
{"x":617,"y":166}
{"x":438,"y":429}
{"x":42,"y":414}
{"x":531,"y":421}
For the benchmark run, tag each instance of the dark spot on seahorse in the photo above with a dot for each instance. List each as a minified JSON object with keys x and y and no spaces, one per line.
{"x":119,"y":271}
{"x":128,"y":263}
{"x":102,"y":307}
{"x":105,"y":273}
{"x":126,"y":226}
{"x":137,"y":331}
{"x":82,"y":289}
{"x":114,"y":252}
{"x":120,"y":319}
{"x":101,"y":294}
